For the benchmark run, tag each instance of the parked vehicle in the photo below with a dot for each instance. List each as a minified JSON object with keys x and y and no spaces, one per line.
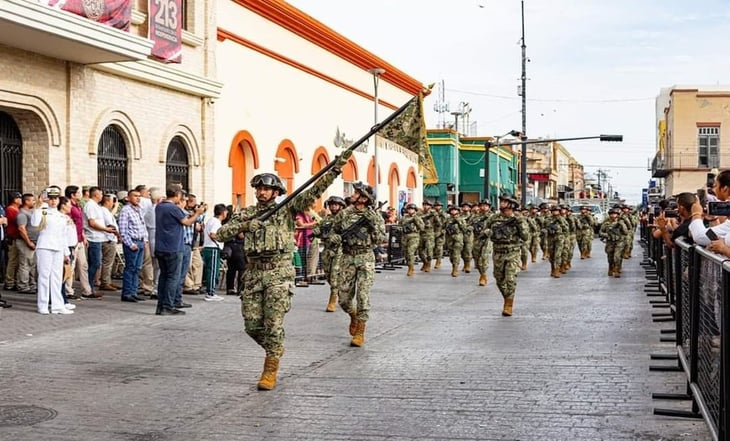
{"x":598,"y":214}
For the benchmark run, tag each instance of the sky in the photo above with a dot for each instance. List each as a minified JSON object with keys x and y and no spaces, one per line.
{"x":595,"y":66}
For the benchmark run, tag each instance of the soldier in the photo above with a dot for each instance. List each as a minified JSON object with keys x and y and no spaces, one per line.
{"x":482,"y":244}
{"x":613,"y":232}
{"x":535,"y":226}
{"x":507,"y":232}
{"x":524,"y":214}
{"x":411,"y":229}
{"x":268,"y":248}
{"x":555,"y":229}
{"x":332,"y":252}
{"x":586,"y":222}
{"x":468,"y":250}
{"x":439,"y":236}
{"x":542,"y":220}
{"x":569,"y":243}
{"x":360,"y":228}
{"x":425,"y":250}
{"x":454,"y":229}
{"x":631,"y":221}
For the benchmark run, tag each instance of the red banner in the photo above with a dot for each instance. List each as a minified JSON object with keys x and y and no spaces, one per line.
{"x":114,"y":13}
{"x":165,"y":19}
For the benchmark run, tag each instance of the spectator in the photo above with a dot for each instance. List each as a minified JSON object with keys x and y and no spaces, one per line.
{"x":26,"y":244}
{"x":96,"y":234}
{"x":79,"y":262}
{"x":64,"y":207}
{"x":147,"y":274}
{"x":236,"y":262}
{"x":719,"y":225}
{"x":674,"y":219}
{"x":85,"y":196}
{"x":188,"y":237}
{"x":391,"y":216}
{"x":149,"y":220}
{"x":51,"y":251}
{"x":169,"y":222}
{"x":109,"y":246}
{"x":133,"y":235}
{"x":212,"y":253}
{"x":194,"y":271}
{"x":303,"y":223}
{"x":11,"y":236}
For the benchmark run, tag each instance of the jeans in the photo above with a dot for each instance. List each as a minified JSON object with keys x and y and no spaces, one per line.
{"x":170,"y":263}
{"x":94,"y":262}
{"x":132,"y":266}
{"x":184,"y":267}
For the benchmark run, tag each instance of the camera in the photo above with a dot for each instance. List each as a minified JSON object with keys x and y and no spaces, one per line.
{"x":203,"y":205}
{"x":671,"y":213}
{"x":657,"y":211}
{"x":702,"y":196}
{"x":719,"y":208}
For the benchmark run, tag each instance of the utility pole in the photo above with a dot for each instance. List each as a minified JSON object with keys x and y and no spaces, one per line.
{"x":376,"y":72}
{"x":523,"y":155}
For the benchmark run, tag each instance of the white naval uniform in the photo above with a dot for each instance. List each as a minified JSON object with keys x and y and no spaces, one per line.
{"x":50,"y":250}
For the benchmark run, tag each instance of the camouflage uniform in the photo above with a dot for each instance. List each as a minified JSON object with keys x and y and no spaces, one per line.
{"x":631,"y":221}
{"x":586,"y":222}
{"x":613,"y":232}
{"x":331,"y":254}
{"x":535,"y":227}
{"x":542,"y":220}
{"x":357,"y":266}
{"x":269,"y":275}
{"x":482,"y":245}
{"x":425,"y":250}
{"x":467,"y":252}
{"x":439,"y":236}
{"x":454,"y":230}
{"x":570,"y":240}
{"x":411,"y":227}
{"x":555,"y":229}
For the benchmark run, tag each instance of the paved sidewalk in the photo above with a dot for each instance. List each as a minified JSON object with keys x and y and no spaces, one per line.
{"x":439,"y":363}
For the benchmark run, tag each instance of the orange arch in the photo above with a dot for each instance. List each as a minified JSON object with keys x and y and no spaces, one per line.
{"x":286,"y":163}
{"x":393,"y":183}
{"x":349,"y":171}
{"x":371,"y":173}
{"x":411,"y":178}
{"x":320,"y":159}
{"x":242,"y":146}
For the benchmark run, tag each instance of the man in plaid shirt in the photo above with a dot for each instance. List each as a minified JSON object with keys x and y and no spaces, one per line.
{"x":134,"y":236}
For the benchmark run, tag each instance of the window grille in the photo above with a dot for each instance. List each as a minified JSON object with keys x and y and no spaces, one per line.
{"x":112,"y":161}
{"x":177,"y":168}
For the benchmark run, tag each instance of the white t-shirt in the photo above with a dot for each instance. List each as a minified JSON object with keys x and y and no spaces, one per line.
{"x":211,"y":226}
{"x":92,"y":210}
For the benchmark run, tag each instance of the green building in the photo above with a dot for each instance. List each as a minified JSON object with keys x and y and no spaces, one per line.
{"x":503,"y":166}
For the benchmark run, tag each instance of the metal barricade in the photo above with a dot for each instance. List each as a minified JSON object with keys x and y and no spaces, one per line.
{"x":395,"y":248}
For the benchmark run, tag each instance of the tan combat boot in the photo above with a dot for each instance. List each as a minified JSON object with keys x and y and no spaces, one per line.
{"x":610,"y":271}
{"x":353,"y":323}
{"x":268,"y":376}
{"x":482,"y":279}
{"x":358,"y":339}
{"x":454,"y":271}
{"x":427,"y":266}
{"x":438,"y":264}
{"x":332,"y":304}
{"x":507,"y":308}
{"x":555,"y":273}
{"x":467,"y":267}
{"x":524,"y":264}
{"x":410,"y":270}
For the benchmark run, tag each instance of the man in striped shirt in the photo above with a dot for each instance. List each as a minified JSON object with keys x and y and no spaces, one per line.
{"x":134,"y":236}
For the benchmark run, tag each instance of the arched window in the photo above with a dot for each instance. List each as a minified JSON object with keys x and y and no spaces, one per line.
{"x":11,"y":157}
{"x":177,"y":167}
{"x":112,"y":160}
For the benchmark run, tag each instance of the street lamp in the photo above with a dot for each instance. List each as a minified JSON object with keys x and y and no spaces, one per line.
{"x":524,"y":141}
{"x":523,"y":154}
{"x":376,"y":72}
{"x":487,"y":147}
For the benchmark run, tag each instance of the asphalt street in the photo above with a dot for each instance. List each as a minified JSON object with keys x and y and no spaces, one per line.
{"x":439,"y":363}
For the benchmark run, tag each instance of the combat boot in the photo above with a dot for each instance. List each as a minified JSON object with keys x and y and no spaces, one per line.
{"x":617,"y":274}
{"x":555,"y":273}
{"x":524,"y":264}
{"x":438,"y":264}
{"x":610,"y":271}
{"x":582,"y":255}
{"x":534,"y":258}
{"x":482,"y":279}
{"x":353,"y":323}
{"x":454,"y":271}
{"x":410,"y":270}
{"x":507,"y":308}
{"x":427,"y":266}
{"x":358,"y":339}
{"x":332,"y":304}
{"x":467,"y":267}
{"x":268,"y":376}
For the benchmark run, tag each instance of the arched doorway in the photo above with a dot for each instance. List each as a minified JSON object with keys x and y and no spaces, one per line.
{"x":177,"y":166}
{"x":410,"y":184}
{"x":349,"y":176}
{"x":243,"y":161}
{"x":286,"y":163}
{"x":321,"y":159}
{"x":393,"y":184}
{"x":112,"y":160}
{"x":11,"y":157}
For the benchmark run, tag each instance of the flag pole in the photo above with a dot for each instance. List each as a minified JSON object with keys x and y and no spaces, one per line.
{"x":331,"y":164}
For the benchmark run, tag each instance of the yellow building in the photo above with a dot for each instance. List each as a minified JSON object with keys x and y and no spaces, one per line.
{"x":690,"y":142}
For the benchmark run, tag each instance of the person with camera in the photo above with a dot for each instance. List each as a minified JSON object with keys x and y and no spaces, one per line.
{"x":673,"y":218}
{"x":716,"y":238}
{"x":212,"y":248}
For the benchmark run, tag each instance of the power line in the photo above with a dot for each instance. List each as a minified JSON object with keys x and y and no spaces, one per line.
{"x":553,"y":100}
